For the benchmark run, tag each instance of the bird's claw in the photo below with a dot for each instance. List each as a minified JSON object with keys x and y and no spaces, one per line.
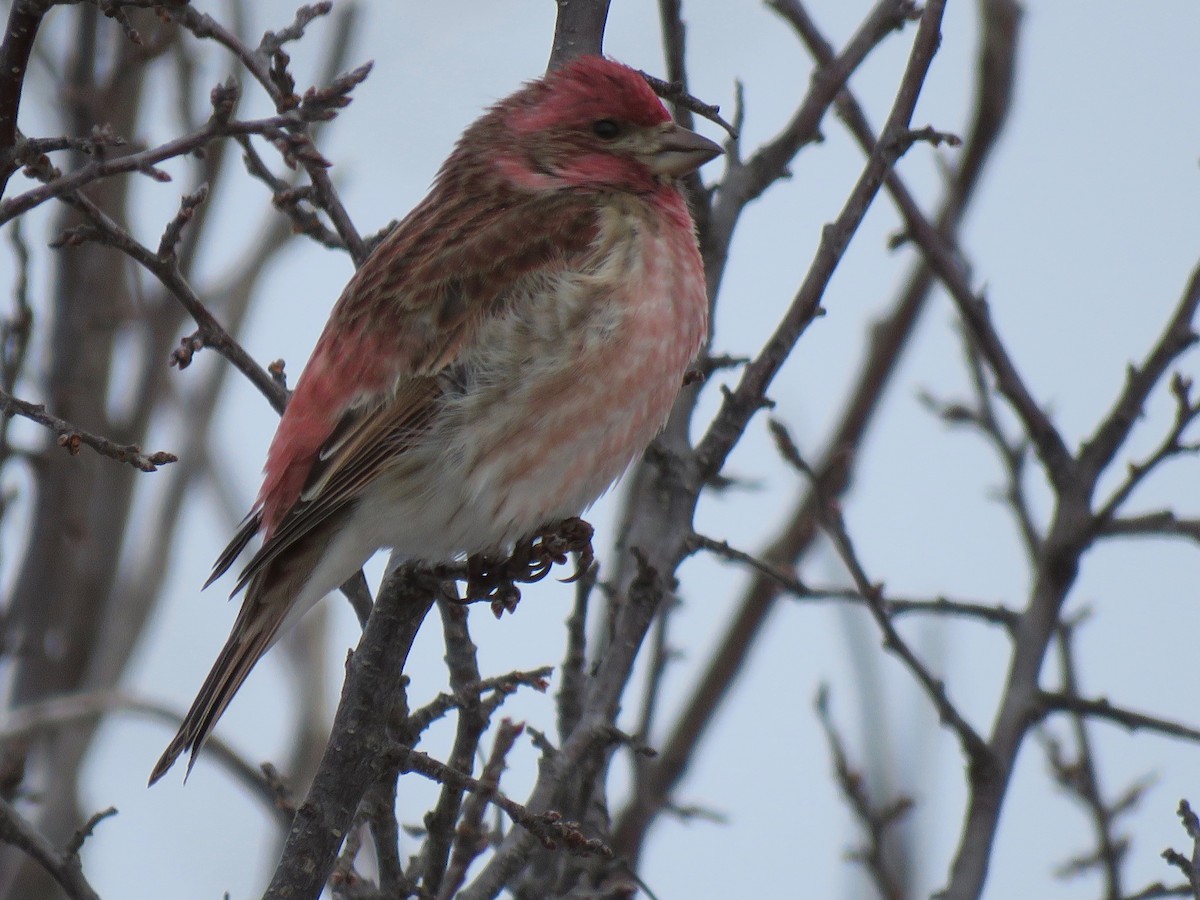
{"x":576,"y":536}
{"x":530,"y":561}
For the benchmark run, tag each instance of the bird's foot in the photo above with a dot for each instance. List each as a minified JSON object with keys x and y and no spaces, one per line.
{"x":530,"y":561}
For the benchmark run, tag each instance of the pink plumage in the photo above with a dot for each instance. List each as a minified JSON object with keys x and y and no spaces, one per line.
{"x":493,"y":367}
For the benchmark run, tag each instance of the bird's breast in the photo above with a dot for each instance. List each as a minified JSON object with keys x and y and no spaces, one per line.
{"x":566,"y":388}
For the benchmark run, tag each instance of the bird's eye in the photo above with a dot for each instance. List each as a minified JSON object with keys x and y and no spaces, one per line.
{"x":605,"y":129}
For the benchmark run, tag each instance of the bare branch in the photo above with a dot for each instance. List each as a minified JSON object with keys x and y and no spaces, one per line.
{"x":677,"y":94}
{"x":63,"y":866}
{"x":1186,"y":412}
{"x":1080,"y":777}
{"x":145,"y":162}
{"x":470,"y":837}
{"x":1163,"y":523}
{"x":1190,"y":866}
{"x":72,"y":709}
{"x":876,"y":820}
{"x":273,"y":41}
{"x":499,"y":687}
{"x":670,"y":522}
{"x":944,"y":259}
{"x":359,"y":737}
{"x":1159,"y":890}
{"x":289,"y":199}
{"x":770,"y":162}
{"x":259,"y":64}
{"x":72,"y":438}
{"x":211,"y":333}
{"x":16,"y":329}
{"x":1098,"y":451}
{"x":747,"y":398}
{"x":578,"y":30}
{"x":1013,"y":453}
{"x":547,"y":827}
{"x":570,"y":694}
{"x":24,"y":20}
{"x":1100,"y":708}
{"x":973,"y":746}
{"x":992,"y":613}
{"x":463,"y":667}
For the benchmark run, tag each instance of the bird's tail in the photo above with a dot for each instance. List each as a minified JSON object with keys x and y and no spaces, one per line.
{"x":253,"y":634}
{"x":281,"y":585}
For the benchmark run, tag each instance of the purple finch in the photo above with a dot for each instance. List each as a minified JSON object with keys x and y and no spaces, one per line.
{"x":494,"y":366}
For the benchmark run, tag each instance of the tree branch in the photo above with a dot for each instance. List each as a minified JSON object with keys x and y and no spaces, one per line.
{"x":71,"y":438}
{"x":876,"y":820}
{"x":354,"y":756}
{"x":578,"y":30}
{"x":24,"y":20}
{"x":63,"y":866}
{"x":973,"y":746}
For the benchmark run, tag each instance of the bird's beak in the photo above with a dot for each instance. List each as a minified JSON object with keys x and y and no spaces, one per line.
{"x":677,"y":151}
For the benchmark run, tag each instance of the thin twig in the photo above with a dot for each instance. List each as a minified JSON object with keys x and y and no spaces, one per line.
{"x":72,"y":709}
{"x":1099,"y":450}
{"x":1163,"y":523}
{"x":876,"y":820}
{"x":973,"y":746}
{"x":1100,"y":708}
{"x":259,"y":64}
{"x":211,"y":333}
{"x":63,"y":866}
{"x":1189,"y":865}
{"x":463,"y":666}
{"x":944,"y":259}
{"x":570,"y":695}
{"x":549,"y":828}
{"x":1079,"y":776}
{"x":1186,"y":412}
{"x":146,"y":161}
{"x":71,"y":438}
{"x":1012,"y":453}
{"x":747,"y":398}
{"x":470,"y":836}
{"x":991,"y":613}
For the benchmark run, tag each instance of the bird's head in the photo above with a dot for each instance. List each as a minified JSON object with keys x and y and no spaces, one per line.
{"x":593,"y":124}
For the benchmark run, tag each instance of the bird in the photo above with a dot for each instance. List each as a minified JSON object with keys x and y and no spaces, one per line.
{"x":494,"y":365}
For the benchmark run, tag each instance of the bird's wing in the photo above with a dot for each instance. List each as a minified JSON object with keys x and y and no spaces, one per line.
{"x":371,"y":385}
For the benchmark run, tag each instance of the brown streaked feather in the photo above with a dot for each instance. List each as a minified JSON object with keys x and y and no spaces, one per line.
{"x":245,"y":533}
{"x":432,"y":283}
{"x":416,"y":303}
{"x":267,"y":603}
{"x":393,"y":426}
{"x":363,"y":444}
